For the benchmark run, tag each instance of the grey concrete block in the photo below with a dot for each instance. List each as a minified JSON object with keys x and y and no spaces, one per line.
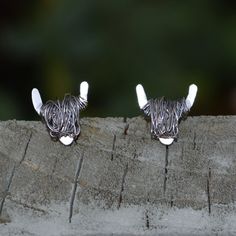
{"x":124,"y":177}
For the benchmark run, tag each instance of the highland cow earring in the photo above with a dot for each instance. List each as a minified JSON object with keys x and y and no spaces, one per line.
{"x":62,"y":117}
{"x":165,"y":114}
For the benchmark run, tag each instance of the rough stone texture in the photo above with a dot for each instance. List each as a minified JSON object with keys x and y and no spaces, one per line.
{"x":121,"y":168}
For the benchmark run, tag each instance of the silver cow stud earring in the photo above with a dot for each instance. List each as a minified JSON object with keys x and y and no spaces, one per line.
{"x":62,"y":117}
{"x":165,"y":114}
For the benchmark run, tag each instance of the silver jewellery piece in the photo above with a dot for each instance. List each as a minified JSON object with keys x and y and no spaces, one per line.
{"x":62,"y":117}
{"x":165,"y":114}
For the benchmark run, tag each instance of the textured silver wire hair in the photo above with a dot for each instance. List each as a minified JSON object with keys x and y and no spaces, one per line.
{"x":165,"y":116}
{"x":62,"y":117}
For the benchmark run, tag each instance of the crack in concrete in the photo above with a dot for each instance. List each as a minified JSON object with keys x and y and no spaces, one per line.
{"x":28,"y":206}
{"x":171,"y":201}
{"x":147,"y":220}
{"x":135,"y":155}
{"x":25,"y":150}
{"x":113,"y":147}
{"x":209,"y":190}
{"x":6,"y":192}
{"x":194,"y":141}
{"x":126,"y":129}
{"x":166,"y":169}
{"x":77,"y":174}
{"x":15,"y":167}
{"x":122,"y":186}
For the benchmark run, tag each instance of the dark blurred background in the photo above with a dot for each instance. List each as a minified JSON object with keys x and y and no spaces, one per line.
{"x":165,"y":45}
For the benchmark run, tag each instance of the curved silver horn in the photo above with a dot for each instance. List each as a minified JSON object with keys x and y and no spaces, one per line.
{"x":36,"y":100}
{"x":141,"y":96}
{"x":192,"y":92}
{"x":84,"y":86}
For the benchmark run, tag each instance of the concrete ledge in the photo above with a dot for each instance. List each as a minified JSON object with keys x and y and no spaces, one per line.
{"x":116,"y":179}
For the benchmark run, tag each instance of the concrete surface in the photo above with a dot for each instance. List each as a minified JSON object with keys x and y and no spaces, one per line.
{"x":116,"y":180}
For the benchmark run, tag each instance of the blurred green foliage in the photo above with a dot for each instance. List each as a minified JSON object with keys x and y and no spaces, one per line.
{"x":114,"y":45}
